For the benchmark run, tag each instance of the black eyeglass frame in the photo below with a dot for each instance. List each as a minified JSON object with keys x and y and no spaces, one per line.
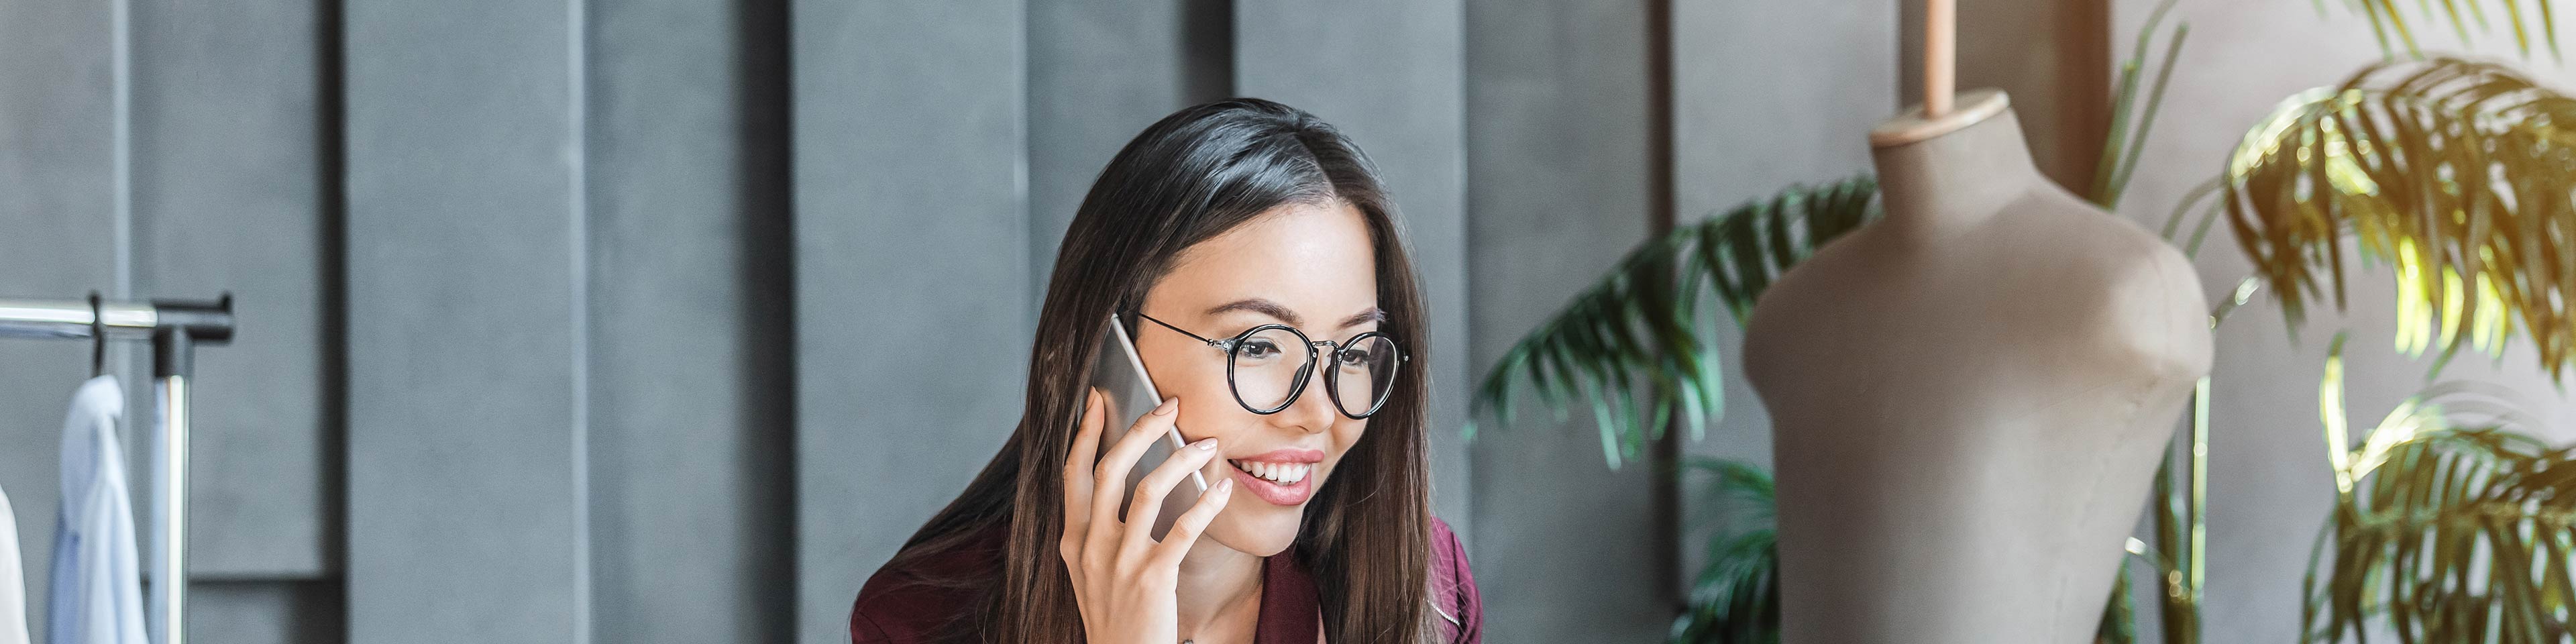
{"x":1331,"y":388}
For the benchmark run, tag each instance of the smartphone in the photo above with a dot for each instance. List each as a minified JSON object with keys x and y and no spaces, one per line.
{"x":1128,"y":394}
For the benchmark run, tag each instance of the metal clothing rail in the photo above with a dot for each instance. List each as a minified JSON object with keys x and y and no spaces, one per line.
{"x":175,"y":329}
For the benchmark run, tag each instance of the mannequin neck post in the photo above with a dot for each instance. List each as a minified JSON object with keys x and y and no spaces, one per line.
{"x":1956,"y":178}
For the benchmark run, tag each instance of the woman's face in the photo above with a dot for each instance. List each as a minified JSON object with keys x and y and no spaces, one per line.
{"x":1306,"y":266}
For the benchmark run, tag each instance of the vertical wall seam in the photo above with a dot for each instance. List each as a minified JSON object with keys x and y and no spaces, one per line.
{"x":790,"y":464}
{"x":121,"y":142}
{"x":1032,"y":299}
{"x":576,"y":155}
{"x":331,"y":162}
{"x":1032,"y":227}
{"x":120,"y":171}
{"x":1465,"y":315}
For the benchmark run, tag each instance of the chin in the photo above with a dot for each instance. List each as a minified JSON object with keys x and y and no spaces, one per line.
{"x":1261,"y":531}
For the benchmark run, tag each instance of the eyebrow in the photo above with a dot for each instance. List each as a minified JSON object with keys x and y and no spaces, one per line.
{"x":1281,"y":313}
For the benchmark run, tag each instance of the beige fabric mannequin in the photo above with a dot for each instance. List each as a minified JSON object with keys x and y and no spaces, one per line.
{"x":1969,"y":397}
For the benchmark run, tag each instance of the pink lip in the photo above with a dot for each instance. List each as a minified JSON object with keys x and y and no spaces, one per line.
{"x":1276,"y":494}
{"x":1286,"y":455}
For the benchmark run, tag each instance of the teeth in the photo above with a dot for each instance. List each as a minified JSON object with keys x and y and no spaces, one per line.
{"x":1281,"y":473}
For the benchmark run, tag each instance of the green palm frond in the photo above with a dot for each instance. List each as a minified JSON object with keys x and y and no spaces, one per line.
{"x":1634,"y":346}
{"x":2119,"y":623}
{"x":2461,"y":174}
{"x":1735,"y":599}
{"x":2447,"y":527}
{"x":2524,"y":16}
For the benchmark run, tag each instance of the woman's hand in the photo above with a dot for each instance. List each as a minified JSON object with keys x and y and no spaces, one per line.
{"x":1125,"y":582}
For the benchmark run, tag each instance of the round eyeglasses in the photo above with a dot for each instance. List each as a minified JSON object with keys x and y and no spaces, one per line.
{"x":1266,"y":375}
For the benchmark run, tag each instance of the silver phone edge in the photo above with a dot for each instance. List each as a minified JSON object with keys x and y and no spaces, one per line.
{"x":1127,"y":343}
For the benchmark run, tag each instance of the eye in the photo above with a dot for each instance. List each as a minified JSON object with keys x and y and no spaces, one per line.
{"x":1257,"y":349}
{"x":1356,"y":358}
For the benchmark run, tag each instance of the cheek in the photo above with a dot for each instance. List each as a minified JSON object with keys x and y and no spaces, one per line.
{"x":1200,"y":384}
{"x":1346,"y":434}
{"x":1200,"y":399}
{"x":1208,"y":408}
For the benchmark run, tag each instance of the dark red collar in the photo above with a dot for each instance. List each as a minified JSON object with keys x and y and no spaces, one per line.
{"x":1291,"y":609}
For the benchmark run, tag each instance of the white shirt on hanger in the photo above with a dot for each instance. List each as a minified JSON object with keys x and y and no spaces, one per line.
{"x":13,"y":581}
{"x":97,"y":593}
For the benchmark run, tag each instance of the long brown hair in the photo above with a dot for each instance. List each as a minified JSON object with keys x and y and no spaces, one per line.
{"x":1193,"y":175}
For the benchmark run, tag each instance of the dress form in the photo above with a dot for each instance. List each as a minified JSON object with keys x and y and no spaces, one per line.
{"x":1969,"y":397}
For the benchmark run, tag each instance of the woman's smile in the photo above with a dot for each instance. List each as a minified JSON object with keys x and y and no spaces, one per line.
{"x":1281,"y":476}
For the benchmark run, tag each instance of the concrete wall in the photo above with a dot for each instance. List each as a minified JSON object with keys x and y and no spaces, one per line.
{"x":692,"y":393}
{"x":466,"y":245}
{"x":912,"y":288}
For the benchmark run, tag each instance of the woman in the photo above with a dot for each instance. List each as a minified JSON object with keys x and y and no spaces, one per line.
{"x":1228,"y":233}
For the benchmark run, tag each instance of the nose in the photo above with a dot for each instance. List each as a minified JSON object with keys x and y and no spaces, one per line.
{"x":1313,"y":411}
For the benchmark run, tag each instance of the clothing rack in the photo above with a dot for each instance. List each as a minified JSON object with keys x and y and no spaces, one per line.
{"x":175,"y":329}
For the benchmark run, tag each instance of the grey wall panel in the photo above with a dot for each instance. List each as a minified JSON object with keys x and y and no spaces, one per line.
{"x":227,"y":169}
{"x":57,"y":236}
{"x":1775,"y":92}
{"x":465,"y":352}
{"x":1558,"y":165}
{"x":691,"y":397}
{"x":1390,"y":74}
{"x":1099,"y":71}
{"x":265,"y":612}
{"x":911,"y":274}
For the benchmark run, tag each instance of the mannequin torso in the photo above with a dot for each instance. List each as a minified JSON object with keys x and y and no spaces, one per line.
{"x":1969,"y":398}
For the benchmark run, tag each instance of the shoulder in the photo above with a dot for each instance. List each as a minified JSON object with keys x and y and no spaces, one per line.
{"x":2155,"y":301}
{"x":1450,"y":574}
{"x":2140,"y":292}
{"x":1445,"y":543}
{"x":917,"y":600}
{"x":1461,"y":609}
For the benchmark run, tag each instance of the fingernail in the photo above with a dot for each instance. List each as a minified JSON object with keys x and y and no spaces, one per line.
{"x":1205,"y":444}
{"x":1225,"y":486}
{"x":1165,"y":409}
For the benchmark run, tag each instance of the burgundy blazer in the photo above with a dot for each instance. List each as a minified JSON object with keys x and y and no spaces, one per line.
{"x":895,"y":608}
